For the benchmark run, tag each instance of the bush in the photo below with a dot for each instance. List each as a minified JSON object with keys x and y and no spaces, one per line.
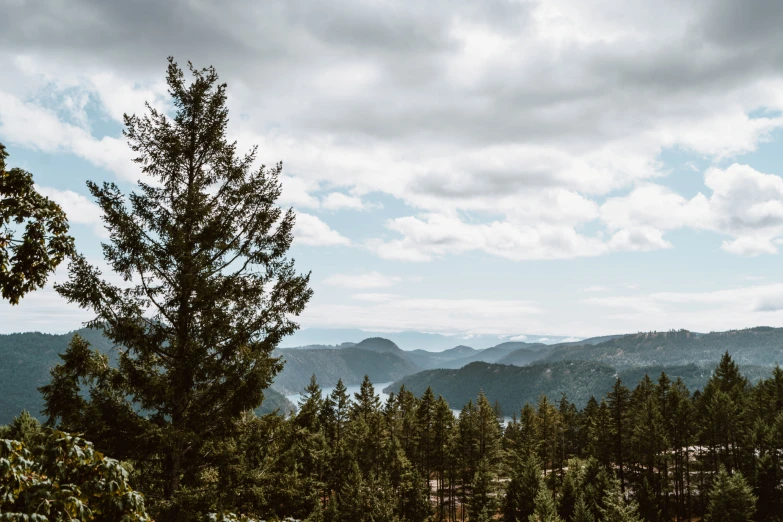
{"x":64,"y":478}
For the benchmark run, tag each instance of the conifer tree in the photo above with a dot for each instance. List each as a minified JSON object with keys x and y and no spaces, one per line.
{"x":619,"y":399}
{"x":731,"y":499}
{"x":522,"y":490}
{"x":209,"y":294}
{"x":616,"y":507}
{"x":581,"y":512}
{"x":545,"y":509}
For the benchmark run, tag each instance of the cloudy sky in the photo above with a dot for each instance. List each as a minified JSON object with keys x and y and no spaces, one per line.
{"x":563,"y":167}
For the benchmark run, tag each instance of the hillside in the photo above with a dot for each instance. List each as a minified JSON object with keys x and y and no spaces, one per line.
{"x":25,"y":361}
{"x":522,"y":357}
{"x":460,"y":356}
{"x":513,"y":386}
{"x":762,"y":346}
{"x":349,"y":364}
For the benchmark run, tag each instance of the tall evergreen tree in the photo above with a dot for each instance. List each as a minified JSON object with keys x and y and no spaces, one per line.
{"x":618,"y":402}
{"x":522,"y":489}
{"x":209,"y":294}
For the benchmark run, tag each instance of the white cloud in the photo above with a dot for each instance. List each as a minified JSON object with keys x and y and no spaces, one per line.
{"x":703,"y":311}
{"x":77,"y":207}
{"x":30,"y":125}
{"x":310,"y":230}
{"x":296,"y":191}
{"x":340,"y":201}
{"x":523,"y":115}
{"x":596,"y":288}
{"x":437,"y":235}
{"x":386,"y":312}
{"x":366,"y":280}
{"x":744,"y":203}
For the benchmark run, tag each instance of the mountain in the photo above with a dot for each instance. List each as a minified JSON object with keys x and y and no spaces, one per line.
{"x":762,"y":346}
{"x":25,"y":361}
{"x":26,"y":358}
{"x":427,"y":360}
{"x":381,"y":360}
{"x":513,"y":386}
{"x":496,"y":353}
{"x":462,"y":355}
{"x":522,"y":357}
{"x":408,"y":341}
{"x":379,"y":345}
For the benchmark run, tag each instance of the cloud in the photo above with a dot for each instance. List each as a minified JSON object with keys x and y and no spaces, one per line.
{"x":366,"y":280}
{"x":310,"y":230}
{"x":596,"y":288}
{"x":512,"y":120}
{"x":77,"y":207}
{"x":745,"y":204}
{"x":30,"y":125}
{"x":340,"y":201}
{"x":386,"y":312}
{"x":715,"y":310}
{"x":437,"y":235}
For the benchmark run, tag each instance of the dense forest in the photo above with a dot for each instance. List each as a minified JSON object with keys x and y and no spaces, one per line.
{"x":513,"y":386}
{"x":153,"y":411}
{"x":654,"y":452}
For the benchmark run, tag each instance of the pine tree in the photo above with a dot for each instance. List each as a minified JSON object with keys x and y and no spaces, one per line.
{"x":522,"y":490}
{"x":545,"y":510}
{"x":616,"y":507}
{"x":731,"y":499}
{"x":209,"y":295}
{"x":310,"y":407}
{"x":619,"y":399}
{"x":27,"y":260}
{"x":581,"y":512}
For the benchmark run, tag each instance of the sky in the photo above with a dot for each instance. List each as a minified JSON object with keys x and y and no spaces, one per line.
{"x":515,"y":168}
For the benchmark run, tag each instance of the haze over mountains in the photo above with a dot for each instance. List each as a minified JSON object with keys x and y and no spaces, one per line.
{"x":510,"y":372}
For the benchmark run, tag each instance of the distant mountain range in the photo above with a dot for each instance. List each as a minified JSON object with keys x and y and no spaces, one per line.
{"x":513,"y":386}
{"x":25,"y":361}
{"x":409,"y":340}
{"x":753,"y":346}
{"x":511,"y":372}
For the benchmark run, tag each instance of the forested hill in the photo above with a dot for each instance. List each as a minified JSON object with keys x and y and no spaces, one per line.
{"x":349,"y":364}
{"x":513,"y":386}
{"x":762,"y":346}
{"x":25,"y":361}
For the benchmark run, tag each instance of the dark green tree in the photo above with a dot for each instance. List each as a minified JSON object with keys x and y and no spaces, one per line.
{"x":545,"y":507}
{"x":519,"y":502}
{"x":731,"y":499}
{"x":28,"y":256}
{"x":619,"y":402}
{"x":209,"y":294}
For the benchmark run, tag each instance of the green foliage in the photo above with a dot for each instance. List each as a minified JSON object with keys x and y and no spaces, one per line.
{"x":616,"y":507}
{"x":522,"y":490}
{"x":28,"y":257}
{"x":63,"y":478}
{"x":209,"y":295}
{"x":544,"y":510}
{"x":731,"y":499}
